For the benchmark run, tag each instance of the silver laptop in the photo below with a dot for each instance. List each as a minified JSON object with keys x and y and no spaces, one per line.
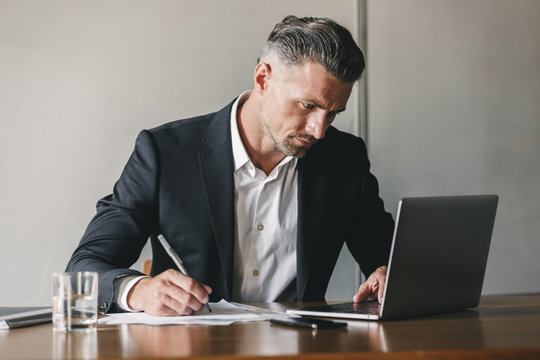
{"x":437,"y":261}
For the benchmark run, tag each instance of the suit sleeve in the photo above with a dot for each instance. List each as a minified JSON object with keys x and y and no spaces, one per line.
{"x":370,"y":245}
{"x":124,"y":220}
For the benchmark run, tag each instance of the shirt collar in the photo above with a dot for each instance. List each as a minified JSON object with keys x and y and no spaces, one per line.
{"x":239,"y":151}
{"x":240,"y":155}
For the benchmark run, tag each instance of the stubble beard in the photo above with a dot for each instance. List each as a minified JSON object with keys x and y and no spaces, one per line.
{"x":286,"y":145}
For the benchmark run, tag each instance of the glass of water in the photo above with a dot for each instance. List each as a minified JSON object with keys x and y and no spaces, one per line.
{"x":74,"y":301}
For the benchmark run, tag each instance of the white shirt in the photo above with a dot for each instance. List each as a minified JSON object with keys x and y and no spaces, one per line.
{"x":266,"y":209}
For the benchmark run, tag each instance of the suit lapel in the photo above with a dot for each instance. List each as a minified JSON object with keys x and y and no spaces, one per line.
{"x":217,"y":167}
{"x":312,"y":179}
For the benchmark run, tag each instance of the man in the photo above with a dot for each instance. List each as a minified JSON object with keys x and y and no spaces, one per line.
{"x":257,"y":198}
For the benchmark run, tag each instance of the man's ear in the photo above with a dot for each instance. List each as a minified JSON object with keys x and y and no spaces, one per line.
{"x":261,"y":76}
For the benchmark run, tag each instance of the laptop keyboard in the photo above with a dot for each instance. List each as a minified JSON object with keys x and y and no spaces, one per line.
{"x":364,"y":308}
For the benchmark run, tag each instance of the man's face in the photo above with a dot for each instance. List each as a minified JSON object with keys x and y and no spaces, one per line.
{"x":300,"y":103}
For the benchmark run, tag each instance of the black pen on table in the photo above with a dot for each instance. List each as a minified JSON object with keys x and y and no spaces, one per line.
{"x":174,"y":256}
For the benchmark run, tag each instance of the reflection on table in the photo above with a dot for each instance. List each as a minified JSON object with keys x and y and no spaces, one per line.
{"x":504,"y":327}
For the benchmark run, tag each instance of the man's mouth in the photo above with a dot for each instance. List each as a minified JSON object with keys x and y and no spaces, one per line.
{"x":306,"y":141}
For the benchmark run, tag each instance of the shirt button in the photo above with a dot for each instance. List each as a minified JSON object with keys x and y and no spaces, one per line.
{"x":255,"y":272}
{"x":260,"y":227}
{"x":249,"y":166}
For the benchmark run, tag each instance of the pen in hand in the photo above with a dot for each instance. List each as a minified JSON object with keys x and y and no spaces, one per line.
{"x":174,"y":256}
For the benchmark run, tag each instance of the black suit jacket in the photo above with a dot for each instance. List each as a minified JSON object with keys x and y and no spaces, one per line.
{"x":179,"y":182}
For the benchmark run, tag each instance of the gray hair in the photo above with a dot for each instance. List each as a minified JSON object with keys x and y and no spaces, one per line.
{"x":296,"y":40}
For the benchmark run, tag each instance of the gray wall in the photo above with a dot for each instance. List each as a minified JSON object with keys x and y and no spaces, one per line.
{"x":452,"y":88}
{"x":454,"y":108}
{"x":80,"y":79}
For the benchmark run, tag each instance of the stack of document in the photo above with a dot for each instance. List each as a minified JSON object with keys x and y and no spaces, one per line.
{"x":223,"y":313}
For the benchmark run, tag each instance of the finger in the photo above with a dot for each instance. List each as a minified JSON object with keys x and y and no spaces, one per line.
{"x":182,"y":301}
{"x":193,"y":287}
{"x":170,"y":310}
{"x":373,"y":287}
{"x":379,"y":274}
{"x":178,"y":299}
{"x":153,"y":295}
{"x":160,"y":295}
{"x":184,"y":304}
{"x":198,"y":293}
{"x":380,"y":294}
{"x":363,"y":293}
{"x":168,"y":306}
{"x":381,"y":279}
{"x":166,"y":296}
{"x":169,"y":293}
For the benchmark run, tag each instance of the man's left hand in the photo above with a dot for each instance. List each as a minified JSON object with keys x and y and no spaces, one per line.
{"x":373,"y":287}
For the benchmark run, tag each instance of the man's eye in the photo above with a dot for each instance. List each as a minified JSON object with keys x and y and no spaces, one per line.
{"x":308,"y":106}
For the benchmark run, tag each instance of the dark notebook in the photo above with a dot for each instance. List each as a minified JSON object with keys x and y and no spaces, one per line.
{"x":14,"y":317}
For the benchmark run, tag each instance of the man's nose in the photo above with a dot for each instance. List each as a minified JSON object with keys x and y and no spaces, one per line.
{"x":316,"y":125}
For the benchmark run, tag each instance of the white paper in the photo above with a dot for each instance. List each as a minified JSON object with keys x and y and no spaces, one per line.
{"x":223,"y":313}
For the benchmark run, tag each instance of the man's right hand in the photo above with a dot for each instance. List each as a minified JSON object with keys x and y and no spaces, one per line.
{"x":169,"y":293}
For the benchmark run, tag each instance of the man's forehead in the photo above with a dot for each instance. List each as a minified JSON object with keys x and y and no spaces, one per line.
{"x":314,"y":83}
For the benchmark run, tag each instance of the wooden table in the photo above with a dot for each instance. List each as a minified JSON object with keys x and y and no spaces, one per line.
{"x":503,"y":327}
